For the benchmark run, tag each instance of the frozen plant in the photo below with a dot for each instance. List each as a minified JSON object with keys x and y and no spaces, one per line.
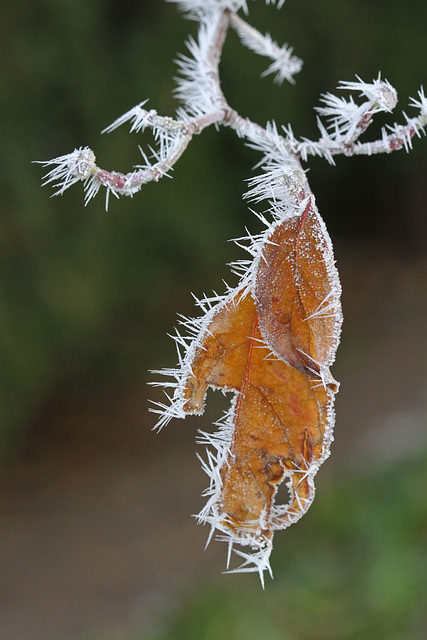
{"x":270,"y":340}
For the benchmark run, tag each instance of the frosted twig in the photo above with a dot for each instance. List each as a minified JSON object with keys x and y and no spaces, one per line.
{"x":199,"y":89}
{"x":347,"y":121}
{"x":284,"y":64}
{"x":80,"y":165}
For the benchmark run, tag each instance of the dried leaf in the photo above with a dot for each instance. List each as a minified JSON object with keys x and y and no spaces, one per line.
{"x":298,"y":293}
{"x":270,"y":342}
{"x":272,"y":347}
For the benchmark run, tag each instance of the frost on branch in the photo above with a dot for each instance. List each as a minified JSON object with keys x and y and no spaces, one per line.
{"x":271,"y":340}
{"x":284,"y":64}
{"x":347,"y":121}
{"x":198,"y":88}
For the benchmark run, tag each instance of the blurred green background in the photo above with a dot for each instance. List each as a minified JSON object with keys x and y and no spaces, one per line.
{"x":87,"y":297}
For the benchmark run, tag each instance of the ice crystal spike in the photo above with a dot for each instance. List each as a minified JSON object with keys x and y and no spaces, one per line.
{"x":379,"y":93}
{"x":69,"y":169}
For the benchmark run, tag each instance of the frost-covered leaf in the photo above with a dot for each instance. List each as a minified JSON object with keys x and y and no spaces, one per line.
{"x":271,"y":343}
{"x":298,"y":293}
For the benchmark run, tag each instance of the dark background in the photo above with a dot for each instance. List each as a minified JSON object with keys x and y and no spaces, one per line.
{"x":96,"y":509}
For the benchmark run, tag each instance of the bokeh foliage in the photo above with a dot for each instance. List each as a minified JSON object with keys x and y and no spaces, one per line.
{"x":86,"y":297}
{"x":355,"y":571}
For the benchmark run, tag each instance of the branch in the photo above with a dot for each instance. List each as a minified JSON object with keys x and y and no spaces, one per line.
{"x":173,"y":137}
{"x":199,"y":88}
{"x":348,"y":121}
{"x":204,"y":104}
{"x":284,"y":64}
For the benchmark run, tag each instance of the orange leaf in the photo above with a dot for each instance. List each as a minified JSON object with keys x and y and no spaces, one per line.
{"x":298,"y":293}
{"x":271,"y":342}
{"x":273,"y":349}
